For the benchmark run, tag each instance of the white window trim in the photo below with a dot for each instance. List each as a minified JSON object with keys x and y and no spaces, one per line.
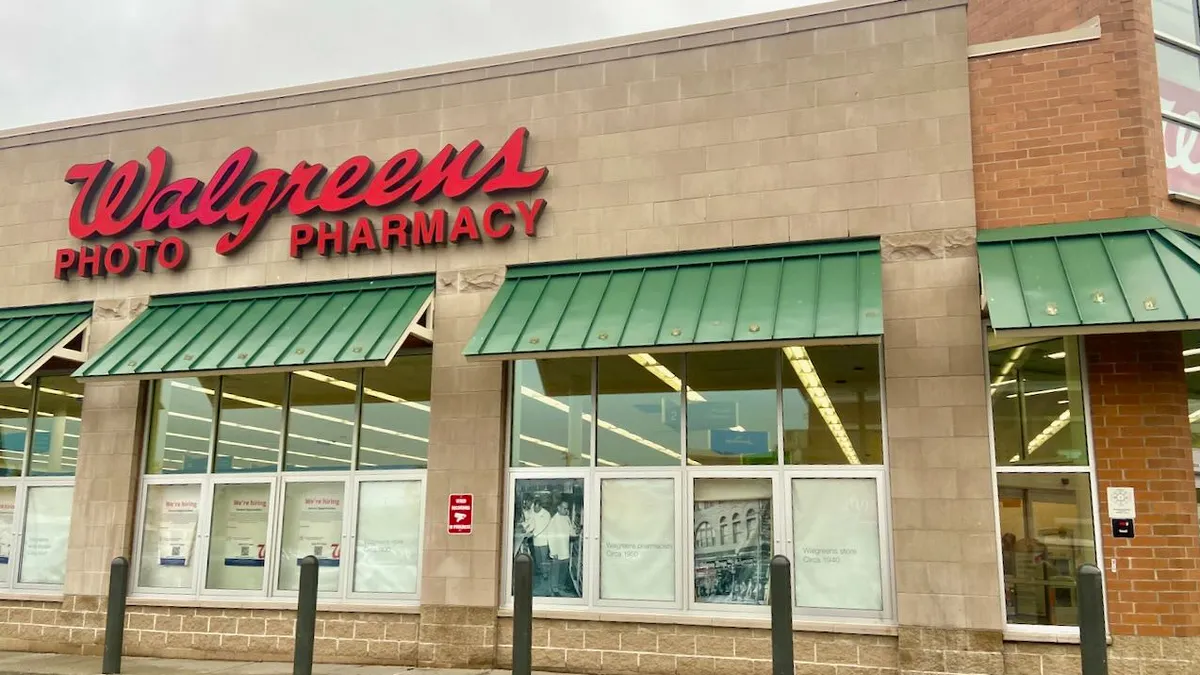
{"x":11,"y":584}
{"x":685,"y":606}
{"x":1090,"y":469}
{"x":277,"y":480}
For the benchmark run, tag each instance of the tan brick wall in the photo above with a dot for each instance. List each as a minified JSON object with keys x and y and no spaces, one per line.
{"x":604,"y":648}
{"x":1160,"y":656}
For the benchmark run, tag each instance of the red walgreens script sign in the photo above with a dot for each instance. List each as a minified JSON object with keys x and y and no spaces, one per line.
{"x":461,"y":514}
{"x":116,"y":203}
{"x":1183,"y":150}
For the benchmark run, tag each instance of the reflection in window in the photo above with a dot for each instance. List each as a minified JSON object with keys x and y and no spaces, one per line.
{"x":1191,"y":370}
{"x":1178,"y":19}
{"x":181,"y":423}
{"x":251,"y":420}
{"x":395,"y":414}
{"x":732,"y":418}
{"x":44,"y":544}
{"x":639,"y":409}
{"x":832,"y":411}
{"x":321,"y":419}
{"x":733,"y":572}
{"x":55,"y":448}
{"x":312,"y":525}
{"x":704,"y":535}
{"x":552,"y":412}
{"x":1037,"y":404}
{"x":14,"y":427}
{"x":1046,"y":534}
{"x":1178,"y":66}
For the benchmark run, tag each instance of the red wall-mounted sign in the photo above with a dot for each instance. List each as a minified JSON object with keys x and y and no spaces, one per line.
{"x":461,"y":514}
{"x":117,"y":203}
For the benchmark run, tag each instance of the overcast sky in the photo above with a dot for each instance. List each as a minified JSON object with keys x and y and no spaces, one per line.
{"x":61,"y":59}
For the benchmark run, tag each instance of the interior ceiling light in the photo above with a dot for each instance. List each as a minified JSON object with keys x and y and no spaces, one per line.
{"x":807,"y":373}
{"x":1053,"y":428}
{"x":587,"y":417}
{"x":350,"y":386}
{"x":1039,"y":392}
{"x":663,"y":373}
{"x":1191,"y":352}
{"x":1057,"y":355}
{"x":1006,"y":369}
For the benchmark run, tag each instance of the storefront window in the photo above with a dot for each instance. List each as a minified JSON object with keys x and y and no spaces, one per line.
{"x":831,"y":406}
{"x":638,"y":410}
{"x":732,"y":419}
{"x":394,"y":433}
{"x":1177,"y":32}
{"x":44,"y":542}
{"x":214,"y":449}
{"x":251,"y":420}
{"x":1044,"y":478}
{"x":39,"y":449}
{"x":1047,"y":533}
{"x":638,"y":558}
{"x":552,"y":413}
{"x":549,"y":527}
{"x":56,"y":428}
{"x":168,"y":549}
{"x":1037,"y":404}
{"x":181,"y":426}
{"x":14,"y":429}
{"x":321,"y":420}
{"x":696,"y":530}
{"x":736,"y":568}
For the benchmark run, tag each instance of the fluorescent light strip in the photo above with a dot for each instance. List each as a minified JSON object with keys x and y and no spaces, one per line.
{"x":562,"y":449}
{"x":663,"y":373}
{"x":1006,"y":369}
{"x":807,"y":373}
{"x":1053,"y":428}
{"x":1039,"y":392}
{"x":350,"y":386}
{"x":608,"y":426}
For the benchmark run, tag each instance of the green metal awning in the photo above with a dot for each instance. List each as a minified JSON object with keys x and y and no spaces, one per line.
{"x":778,"y":293}
{"x":1084,"y":276}
{"x":278,"y":328}
{"x":32,"y":336}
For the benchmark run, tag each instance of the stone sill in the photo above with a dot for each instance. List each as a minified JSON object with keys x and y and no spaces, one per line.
{"x":31,"y":596}
{"x":720,"y":621}
{"x":1067,"y":636}
{"x":279,"y":604}
{"x":1089,"y":30}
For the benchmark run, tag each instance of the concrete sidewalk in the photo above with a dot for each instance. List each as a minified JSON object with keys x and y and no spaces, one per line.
{"x":23,"y":663}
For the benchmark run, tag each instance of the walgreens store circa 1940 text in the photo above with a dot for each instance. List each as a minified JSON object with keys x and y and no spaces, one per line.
{"x":651,"y":311}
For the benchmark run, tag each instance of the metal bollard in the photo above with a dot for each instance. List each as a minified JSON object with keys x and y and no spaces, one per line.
{"x":522,"y":660}
{"x":1093,"y":640}
{"x":782,"y":656}
{"x":306,"y":617}
{"x":114,"y":620}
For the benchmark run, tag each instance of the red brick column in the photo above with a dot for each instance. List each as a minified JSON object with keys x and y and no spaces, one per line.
{"x":1143,"y":440}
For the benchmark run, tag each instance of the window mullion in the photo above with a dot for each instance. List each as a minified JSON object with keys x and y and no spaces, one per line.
{"x":214,"y":436}
{"x":594,"y":436}
{"x":286,"y":409}
{"x":31,"y":430}
{"x":356,"y":433}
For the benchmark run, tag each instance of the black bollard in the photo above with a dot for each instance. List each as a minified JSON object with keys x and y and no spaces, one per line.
{"x":114,"y":621}
{"x":522,"y":661}
{"x":1093,"y":640}
{"x":306,"y":617}
{"x":782,"y":659}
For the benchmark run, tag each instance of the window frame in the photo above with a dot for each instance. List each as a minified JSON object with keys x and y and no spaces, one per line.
{"x":780,"y":473}
{"x":11,"y":582}
{"x":277,"y":481}
{"x":1162,"y":37}
{"x":887,"y":580}
{"x":1018,"y":629}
